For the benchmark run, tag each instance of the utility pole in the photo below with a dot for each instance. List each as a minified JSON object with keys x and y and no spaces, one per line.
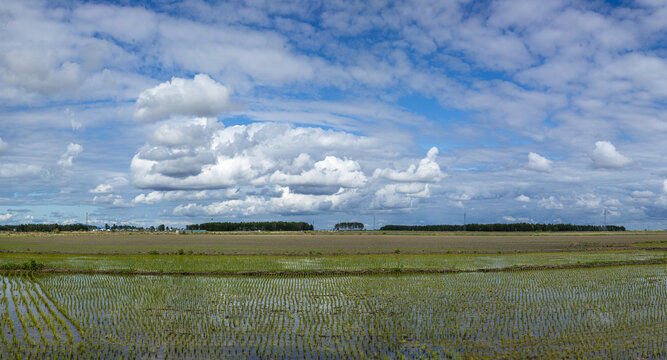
{"x":464,"y":221}
{"x":373,"y":222}
{"x":86,"y":220}
{"x":605,"y":218}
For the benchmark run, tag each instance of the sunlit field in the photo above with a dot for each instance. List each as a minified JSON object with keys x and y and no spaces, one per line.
{"x":613,"y":312}
{"x":333,"y":296}
{"x":322,"y":242}
{"x":223,"y":264}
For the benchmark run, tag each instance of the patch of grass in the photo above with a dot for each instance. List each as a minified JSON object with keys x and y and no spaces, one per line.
{"x":232,"y":263}
{"x":31,"y":265}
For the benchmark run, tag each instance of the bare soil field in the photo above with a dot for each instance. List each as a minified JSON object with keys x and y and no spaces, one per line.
{"x":323,"y":243}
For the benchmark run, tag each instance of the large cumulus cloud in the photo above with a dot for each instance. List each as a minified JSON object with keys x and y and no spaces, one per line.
{"x":537,"y":162}
{"x":311,"y":168}
{"x":201,"y":96}
{"x":606,"y":156}
{"x":428,"y":170}
{"x":256,"y":154}
{"x":278,"y":167}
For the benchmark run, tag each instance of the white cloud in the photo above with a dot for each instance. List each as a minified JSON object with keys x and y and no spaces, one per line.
{"x":605,"y":156}
{"x":509,"y":218}
{"x":310,"y":165}
{"x":15,"y":170}
{"x":551,"y":203}
{"x":279,"y":58}
{"x":538,"y":163}
{"x":159,"y":196}
{"x":115,"y":183}
{"x":52,"y":57}
{"x":613,"y":203}
{"x":201,"y":96}
{"x":331,"y":171}
{"x":588,"y":201}
{"x":261,"y":153}
{"x":73,"y":151}
{"x":111,"y":200}
{"x":286,"y":203}
{"x":3,"y":147}
{"x":178,"y":133}
{"x":41,"y":74}
{"x":402,"y":195}
{"x":428,"y":170}
{"x":522,"y":198}
{"x":5,"y":217}
{"x":664,"y":187}
{"x":102,"y":189}
{"x":642,"y":194}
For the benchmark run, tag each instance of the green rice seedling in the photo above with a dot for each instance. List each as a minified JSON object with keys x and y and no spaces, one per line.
{"x":605,"y":312}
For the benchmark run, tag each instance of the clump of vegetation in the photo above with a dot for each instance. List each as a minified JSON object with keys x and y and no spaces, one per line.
{"x":349,"y":226}
{"x":524,"y":227}
{"x":252,"y":226}
{"x":31,"y":265}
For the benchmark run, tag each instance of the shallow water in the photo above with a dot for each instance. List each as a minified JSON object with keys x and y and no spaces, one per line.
{"x":614,"y":312}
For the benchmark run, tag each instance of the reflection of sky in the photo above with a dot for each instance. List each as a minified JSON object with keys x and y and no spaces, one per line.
{"x":374,"y":86}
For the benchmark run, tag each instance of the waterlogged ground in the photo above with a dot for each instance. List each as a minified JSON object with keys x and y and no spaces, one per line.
{"x":613,"y":312}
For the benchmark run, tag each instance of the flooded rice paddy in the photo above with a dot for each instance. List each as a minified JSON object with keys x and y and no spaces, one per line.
{"x":614,"y":312}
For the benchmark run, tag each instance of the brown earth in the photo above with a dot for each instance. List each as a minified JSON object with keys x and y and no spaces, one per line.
{"x":371,"y":242}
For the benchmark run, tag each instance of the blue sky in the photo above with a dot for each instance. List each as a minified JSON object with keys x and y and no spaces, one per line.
{"x":412,"y":112}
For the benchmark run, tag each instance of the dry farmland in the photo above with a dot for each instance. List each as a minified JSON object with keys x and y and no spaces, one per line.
{"x":371,"y":242}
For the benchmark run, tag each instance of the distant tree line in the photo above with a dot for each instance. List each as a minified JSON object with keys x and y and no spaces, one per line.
{"x":504,"y":227}
{"x":349,"y":226}
{"x":45,"y":227}
{"x":72,"y":227}
{"x":115,"y":227}
{"x":251,"y":226}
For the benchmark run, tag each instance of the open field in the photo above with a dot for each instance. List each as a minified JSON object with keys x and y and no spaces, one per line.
{"x":116,"y":295}
{"x":222,"y":264}
{"x":370,"y":242}
{"x":615,"y":312}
